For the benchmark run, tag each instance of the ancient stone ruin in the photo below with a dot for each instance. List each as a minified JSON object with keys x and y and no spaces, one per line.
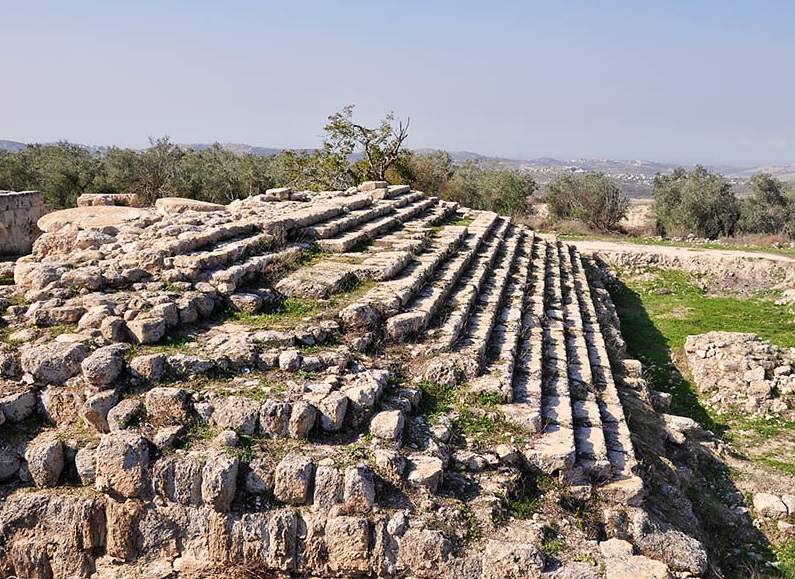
{"x":333,"y":384}
{"x":19,"y":212}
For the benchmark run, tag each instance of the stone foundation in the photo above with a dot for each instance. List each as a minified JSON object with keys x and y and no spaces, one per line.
{"x":19,"y":212}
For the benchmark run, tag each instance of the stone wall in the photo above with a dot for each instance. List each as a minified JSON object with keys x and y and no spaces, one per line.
{"x":19,"y":212}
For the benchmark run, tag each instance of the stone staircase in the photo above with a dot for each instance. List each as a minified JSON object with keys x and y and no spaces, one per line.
{"x":404,"y":290}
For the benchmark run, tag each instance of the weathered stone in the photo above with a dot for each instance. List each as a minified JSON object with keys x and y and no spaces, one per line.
{"x":219,"y":481}
{"x":102,"y":367}
{"x":168,"y":436}
{"x":121,"y":461}
{"x":294,"y":478}
{"x":150,"y":366}
{"x":426,"y":472}
{"x":768,"y":505}
{"x":359,"y":489}
{"x":620,"y":563}
{"x":274,"y":418}
{"x":507,"y":560}
{"x":238,"y":413}
{"x":789,"y":502}
{"x":84,"y":463}
{"x":17,"y":407}
{"x":168,"y":406}
{"x":53,"y":363}
{"x":388,"y":424}
{"x":290,"y":360}
{"x":61,"y":405}
{"x":45,"y":458}
{"x":93,"y":217}
{"x":390,"y":464}
{"x":9,"y":366}
{"x":424,"y":553}
{"x":185,"y":366}
{"x":114,"y":329}
{"x":259,"y":477}
{"x":176,"y":205}
{"x":332,"y":411}
{"x":248,"y":303}
{"x":96,"y":408}
{"x":10,"y":461}
{"x":303,"y":418}
{"x":348,"y":542}
{"x":329,"y":487}
{"x":125,"y":414}
{"x":147,"y":330}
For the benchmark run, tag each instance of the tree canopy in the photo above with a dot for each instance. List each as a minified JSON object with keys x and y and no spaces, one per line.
{"x":698,"y":202}
{"x":589,"y":197}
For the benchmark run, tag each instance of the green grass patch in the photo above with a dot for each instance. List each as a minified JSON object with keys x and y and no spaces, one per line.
{"x":436,"y":399}
{"x":660,"y":309}
{"x":779,"y":465}
{"x":786,"y":559}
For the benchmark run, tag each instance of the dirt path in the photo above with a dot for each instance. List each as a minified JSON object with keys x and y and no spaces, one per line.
{"x":591,"y":246}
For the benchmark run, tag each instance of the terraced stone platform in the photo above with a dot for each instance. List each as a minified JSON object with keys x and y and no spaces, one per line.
{"x":338,"y":383}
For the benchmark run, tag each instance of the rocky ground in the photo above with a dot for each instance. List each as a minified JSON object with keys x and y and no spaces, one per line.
{"x":362,"y":383}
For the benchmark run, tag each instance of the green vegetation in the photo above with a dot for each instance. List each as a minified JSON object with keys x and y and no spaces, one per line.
{"x":491,"y":186}
{"x":660,"y":308}
{"x":697,"y":202}
{"x":592,"y":198}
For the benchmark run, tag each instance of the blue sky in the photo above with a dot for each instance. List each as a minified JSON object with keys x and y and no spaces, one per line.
{"x":674,"y":81}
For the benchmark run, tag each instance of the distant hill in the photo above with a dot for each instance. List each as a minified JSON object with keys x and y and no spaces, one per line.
{"x":634,"y":176}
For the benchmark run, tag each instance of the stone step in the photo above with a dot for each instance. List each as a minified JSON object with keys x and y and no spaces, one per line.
{"x":460,"y":303}
{"x":623,"y":484}
{"x":592,"y":460}
{"x":192,"y":241}
{"x":344,"y":222}
{"x":427,"y":301}
{"x":228,"y":279}
{"x":525,"y":371}
{"x":224,"y":253}
{"x":387,"y":298}
{"x":438,"y":213}
{"x":487,"y":310}
{"x":394,"y":212}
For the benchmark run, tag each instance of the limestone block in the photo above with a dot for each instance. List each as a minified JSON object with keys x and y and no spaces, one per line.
{"x":509,"y":560}
{"x":219,"y":481}
{"x":54,"y":363}
{"x":238,"y":413}
{"x":17,"y":407}
{"x":426,"y":471}
{"x":348,"y":543}
{"x":302,"y":419}
{"x":102,"y":367}
{"x":121,"y":461}
{"x":388,"y":424}
{"x":95,"y":410}
{"x":768,"y":505}
{"x":45,"y":458}
{"x":294,"y":478}
{"x":169,"y":406}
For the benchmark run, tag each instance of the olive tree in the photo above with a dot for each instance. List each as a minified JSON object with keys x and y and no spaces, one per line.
{"x":493,"y":187}
{"x":351,"y":153}
{"x":592,"y":198}
{"x":769,"y":209}
{"x":697,"y":202}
